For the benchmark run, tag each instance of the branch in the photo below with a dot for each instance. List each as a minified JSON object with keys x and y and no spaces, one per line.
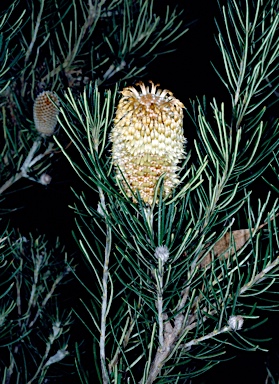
{"x":125,"y":340}
{"x":37,"y":268}
{"x":105,"y":293}
{"x":162,"y":255}
{"x":49,"y":295}
{"x":170,"y":336}
{"x":10,"y":369}
{"x":31,"y":45}
{"x":37,"y":26}
{"x":41,"y":365}
{"x":112,"y":70}
{"x":260,"y":276}
{"x":93,"y":13}
{"x":28,"y":163}
{"x":214,"y":333}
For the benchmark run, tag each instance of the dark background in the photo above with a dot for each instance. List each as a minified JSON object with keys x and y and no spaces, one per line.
{"x":188,"y":73}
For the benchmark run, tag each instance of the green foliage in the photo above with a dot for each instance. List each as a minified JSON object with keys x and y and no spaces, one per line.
{"x":56,"y":45}
{"x":166,"y":321}
{"x":71,"y":44}
{"x":34,"y":328}
{"x":8,"y":57}
{"x":163,"y":302}
{"x":270,"y":379}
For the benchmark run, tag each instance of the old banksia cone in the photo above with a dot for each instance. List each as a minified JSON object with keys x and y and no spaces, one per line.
{"x":45,"y":112}
{"x":147,"y":139}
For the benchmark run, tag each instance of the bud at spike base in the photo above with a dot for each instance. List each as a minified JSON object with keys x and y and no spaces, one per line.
{"x":45,"y":112}
{"x":147,"y":139}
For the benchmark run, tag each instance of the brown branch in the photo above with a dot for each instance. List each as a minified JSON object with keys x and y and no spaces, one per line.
{"x":183,"y":326}
{"x":170,"y":336}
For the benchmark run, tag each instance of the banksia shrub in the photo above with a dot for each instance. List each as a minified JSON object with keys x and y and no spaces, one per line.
{"x":147,"y":139}
{"x":45,"y":112}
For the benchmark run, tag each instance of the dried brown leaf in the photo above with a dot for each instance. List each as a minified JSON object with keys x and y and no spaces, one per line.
{"x":230,"y":243}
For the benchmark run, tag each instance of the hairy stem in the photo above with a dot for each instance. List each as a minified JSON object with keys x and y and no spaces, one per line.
{"x":160,"y":285}
{"x":48,"y":296}
{"x":105,"y":294}
{"x":39,"y":370}
{"x":260,"y":276}
{"x":170,"y":336}
{"x":29,"y":162}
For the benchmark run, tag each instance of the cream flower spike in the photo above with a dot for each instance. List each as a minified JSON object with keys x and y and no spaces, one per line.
{"x":45,"y":112}
{"x":147,"y":139}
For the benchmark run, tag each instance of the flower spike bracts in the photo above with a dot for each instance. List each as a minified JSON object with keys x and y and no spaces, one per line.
{"x":45,"y":112}
{"x":147,"y":139}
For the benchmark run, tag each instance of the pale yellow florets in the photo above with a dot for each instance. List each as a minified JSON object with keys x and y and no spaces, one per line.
{"x":45,"y":112}
{"x":148,"y":139}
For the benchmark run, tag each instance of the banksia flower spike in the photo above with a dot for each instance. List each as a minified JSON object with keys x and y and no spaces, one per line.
{"x":147,"y":139}
{"x":45,"y":112}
